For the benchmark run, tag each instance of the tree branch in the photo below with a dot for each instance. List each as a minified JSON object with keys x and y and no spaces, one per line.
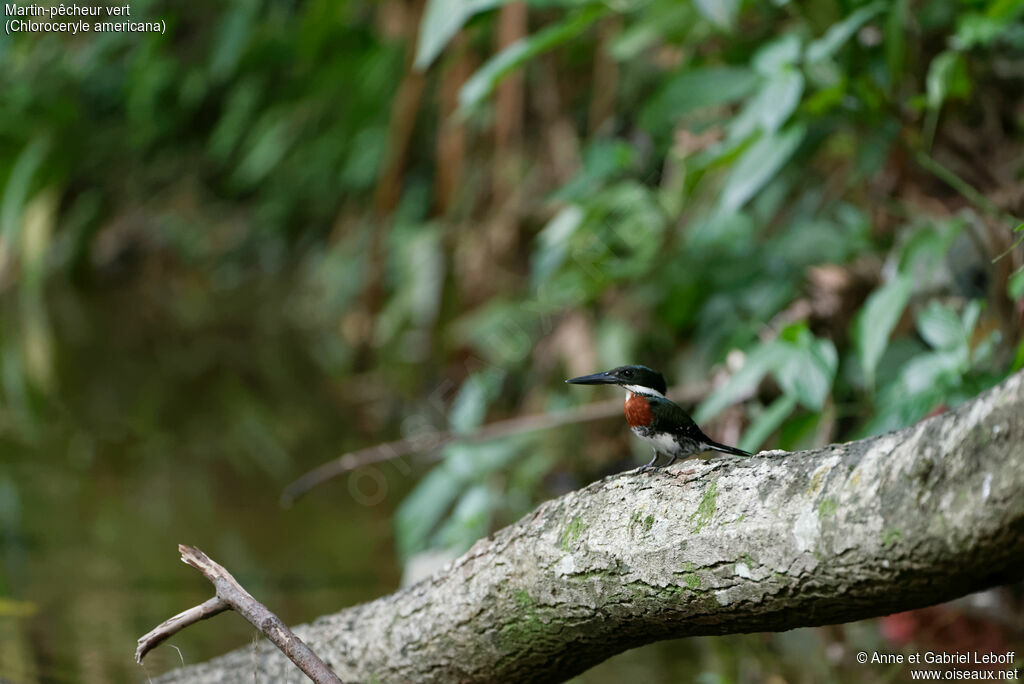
{"x":232,"y":596}
{"x":171,"y":626}
{"x":774,"y":542}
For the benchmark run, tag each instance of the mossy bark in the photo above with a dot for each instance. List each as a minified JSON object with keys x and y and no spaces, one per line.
{"x":773,"y":542}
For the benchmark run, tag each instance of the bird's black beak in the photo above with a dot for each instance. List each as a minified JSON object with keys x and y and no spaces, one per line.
{"x":595,"y":379}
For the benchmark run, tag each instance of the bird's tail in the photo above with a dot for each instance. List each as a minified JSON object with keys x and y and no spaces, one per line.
{"x":711,"y":445}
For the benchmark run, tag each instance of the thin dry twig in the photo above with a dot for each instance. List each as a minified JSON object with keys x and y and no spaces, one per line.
{"x":153,"y":638}
{"x":232,"y":596}
{"x":423,"y":443}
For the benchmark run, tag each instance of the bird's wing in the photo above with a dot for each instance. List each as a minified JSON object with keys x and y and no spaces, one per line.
{"x":669,"y":417}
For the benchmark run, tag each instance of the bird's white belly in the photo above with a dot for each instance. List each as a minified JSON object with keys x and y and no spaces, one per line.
{"x":663,"y":442}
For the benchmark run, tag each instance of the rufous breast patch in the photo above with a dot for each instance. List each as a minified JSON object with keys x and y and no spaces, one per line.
{"x":638,"y":411}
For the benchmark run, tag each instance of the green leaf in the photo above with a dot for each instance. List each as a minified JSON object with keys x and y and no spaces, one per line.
{"x":778,"y":55}
{"x":740,"y":128}
{"x":1018,"y":359}
{"x":809,"y":370}
{"x":417,"y":266}
{"x":652,"y":25}
{"x":693,"y":89}
{"x":974,"y":29}
{"x":621,"y":234}
{"x":758,"y":165}
{"x":720,"y":230}
{"x":895,"y":41}
{"x":779,"y":97}
{"x":941,"y":327}
{"x":474,"y":396}
{"x":481,"y":459}
{"x":553,"y":242}
{"x":39,"y":219}
{"x":241,"y":104}
{"x":928,"y":247}
{"x":721,"y":13}
{"x":767,"y":422}
{"x":603,"y":159}
{"x":947,"y":77}
{"x":896,"y":408}
{"x":483,"y":82}
{"x":838,"y":34}
{"x":969,"y":319}
{"x":760,"y":361}
{"x":1015,"y":286}
{"x":18,"y":186}
{"x":233,"y":36}
{"x":876,"y":321}
{"x":501,"y":332}
{"x":442,"y":19}
{"x":424,"y":507}
{"x":1004,"y":10}
{"x":469,"y":520}
{"x":269,"y":141}
{"x":422,"y":257}
{"x":926,"y":372}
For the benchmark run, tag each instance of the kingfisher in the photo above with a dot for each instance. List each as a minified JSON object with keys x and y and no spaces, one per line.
{"x":655,"y":419}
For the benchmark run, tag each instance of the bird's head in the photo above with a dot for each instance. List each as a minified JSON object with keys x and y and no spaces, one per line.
{"x":636,"y":379}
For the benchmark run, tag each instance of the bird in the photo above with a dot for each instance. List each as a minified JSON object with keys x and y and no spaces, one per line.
{"x":661,"y":423}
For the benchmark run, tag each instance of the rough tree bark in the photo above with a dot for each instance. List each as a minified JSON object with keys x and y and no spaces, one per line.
{"x":774,"y":542}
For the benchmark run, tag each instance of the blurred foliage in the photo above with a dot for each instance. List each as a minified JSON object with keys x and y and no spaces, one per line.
{"x":255,"y":104}
{"x":751,"y":144}
{"x":745,"y":146}
{"x":805,"y":209}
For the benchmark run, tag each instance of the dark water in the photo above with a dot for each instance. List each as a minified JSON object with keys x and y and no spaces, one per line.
{"x":133,"y":421}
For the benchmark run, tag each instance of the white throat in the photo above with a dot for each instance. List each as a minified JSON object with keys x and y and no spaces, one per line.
{"x":639,"y":389}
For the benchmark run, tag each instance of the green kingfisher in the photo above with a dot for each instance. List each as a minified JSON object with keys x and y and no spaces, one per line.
{"x":655,"y":419}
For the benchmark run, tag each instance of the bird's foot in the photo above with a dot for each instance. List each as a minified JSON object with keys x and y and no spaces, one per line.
{"x":652,"y":466}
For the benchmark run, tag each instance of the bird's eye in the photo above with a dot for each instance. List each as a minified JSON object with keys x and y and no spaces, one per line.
{"x":627,"y":373}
